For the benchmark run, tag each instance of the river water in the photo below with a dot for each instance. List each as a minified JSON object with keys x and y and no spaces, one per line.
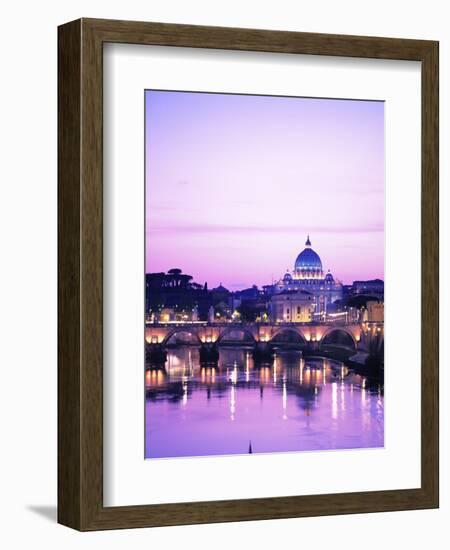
{"x":292,"y":404}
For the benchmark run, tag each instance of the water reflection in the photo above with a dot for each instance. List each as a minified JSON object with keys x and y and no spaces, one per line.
{"x":294,"y":404}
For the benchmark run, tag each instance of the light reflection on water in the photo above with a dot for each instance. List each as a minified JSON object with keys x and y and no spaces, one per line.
{"x":294,"y":404}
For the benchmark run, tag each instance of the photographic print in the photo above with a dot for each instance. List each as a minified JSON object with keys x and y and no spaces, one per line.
{"x":264,"y":274}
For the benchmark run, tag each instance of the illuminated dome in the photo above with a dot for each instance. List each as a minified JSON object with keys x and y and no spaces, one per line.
{"x":287,"y":278}
{"x":308,"y":263}
{"x":329,"y":278}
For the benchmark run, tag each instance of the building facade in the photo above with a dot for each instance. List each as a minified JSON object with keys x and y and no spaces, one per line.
{"x":375,"y":312}
{"x":291,"y":306}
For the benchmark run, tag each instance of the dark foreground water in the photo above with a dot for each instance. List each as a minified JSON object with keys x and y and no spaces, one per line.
{"x":294,"y":404}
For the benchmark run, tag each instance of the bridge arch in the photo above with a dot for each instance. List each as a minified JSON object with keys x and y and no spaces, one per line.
{"x":339,"y":336}
{"x":288,"y":335}
{"x":242,"y":330}
{"x":192,"y":336}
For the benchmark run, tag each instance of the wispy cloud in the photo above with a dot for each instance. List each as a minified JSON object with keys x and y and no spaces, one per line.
{"x":217,"y":228}
{"x":175,"y":207}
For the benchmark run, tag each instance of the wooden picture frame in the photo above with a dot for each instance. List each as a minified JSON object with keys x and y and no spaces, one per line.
{"x":80,"y":272}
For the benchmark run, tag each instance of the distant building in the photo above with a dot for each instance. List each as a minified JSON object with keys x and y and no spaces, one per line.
{"x":291,"y":306}
{"x":308,"y":276}
{"x":374,"y":287}
{"x":252,"y":293}
{"x":375,"y":312}
{"x":220,"y":294}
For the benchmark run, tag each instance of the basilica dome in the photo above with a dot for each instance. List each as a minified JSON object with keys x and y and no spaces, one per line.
{"x":308,"y":262}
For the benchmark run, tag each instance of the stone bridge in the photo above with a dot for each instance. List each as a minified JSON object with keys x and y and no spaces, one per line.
{"x":356,"y":336}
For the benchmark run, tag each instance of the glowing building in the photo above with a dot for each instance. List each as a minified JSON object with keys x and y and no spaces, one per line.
{"x":291,"y":306}
{"x":308,"y":276}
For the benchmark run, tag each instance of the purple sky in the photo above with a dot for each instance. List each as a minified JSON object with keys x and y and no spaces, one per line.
{"x":234,"y":184}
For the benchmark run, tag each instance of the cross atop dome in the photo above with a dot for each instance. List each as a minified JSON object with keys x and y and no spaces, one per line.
{"x":308,"y":242}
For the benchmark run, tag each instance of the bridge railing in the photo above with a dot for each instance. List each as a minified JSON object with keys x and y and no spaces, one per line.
{"x":249,"y":323}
